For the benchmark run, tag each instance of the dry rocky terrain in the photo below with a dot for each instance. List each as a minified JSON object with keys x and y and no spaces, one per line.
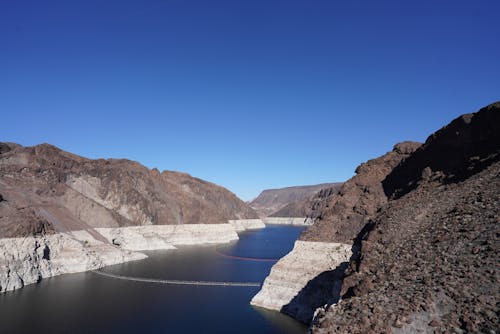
{"x":423,"y":225}
{"x":428,"y":259}
{"x":340,"y":215}
{"x":319,"y":262}
{"x":44,"y":190}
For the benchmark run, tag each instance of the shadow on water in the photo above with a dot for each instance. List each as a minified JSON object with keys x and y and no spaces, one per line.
{"x":278,"y":322}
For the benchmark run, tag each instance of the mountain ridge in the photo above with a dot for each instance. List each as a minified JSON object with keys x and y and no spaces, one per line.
{"x":271,"y":201}
{"x":43,"y":180}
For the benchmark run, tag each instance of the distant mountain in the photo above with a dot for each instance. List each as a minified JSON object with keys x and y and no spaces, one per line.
{"x":44,"y":189}
{"x":272,"y":200}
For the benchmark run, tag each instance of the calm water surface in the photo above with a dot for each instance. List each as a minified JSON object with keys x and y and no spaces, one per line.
{"x":88,"y":303}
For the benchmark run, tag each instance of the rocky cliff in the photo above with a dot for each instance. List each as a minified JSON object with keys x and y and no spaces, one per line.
{"x":340,"y":215}
{"x":282,"y":202}
{"x":429,"y":259}
{"x":423,"y":222}
{"x":46,"y":190}
{"x":98,"y":210}
{"x":325,"y":247}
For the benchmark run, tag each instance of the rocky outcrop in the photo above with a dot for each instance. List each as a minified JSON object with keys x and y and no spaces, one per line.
{"x":457,"y":151}
{"x":429,"y":259}
{"x":29,"y":259}
{"x":430,"y":262}
{"x":340,"y":215}
{"x":271,"y":201}
{"x":426,"y":220}
{"x":46,"y":190}
{"x":303,"y":280}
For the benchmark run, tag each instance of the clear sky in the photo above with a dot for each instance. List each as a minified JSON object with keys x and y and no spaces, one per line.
{"x":247,"y":94}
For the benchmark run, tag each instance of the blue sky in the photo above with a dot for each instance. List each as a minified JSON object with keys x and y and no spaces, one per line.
{"x":247,"y":94}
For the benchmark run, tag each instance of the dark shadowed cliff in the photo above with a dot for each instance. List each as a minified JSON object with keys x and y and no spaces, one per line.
{"x":429,"y":258}
{"x":45,"y":189}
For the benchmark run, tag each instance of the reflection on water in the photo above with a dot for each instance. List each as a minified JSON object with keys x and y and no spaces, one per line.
{"x":88,"y":303}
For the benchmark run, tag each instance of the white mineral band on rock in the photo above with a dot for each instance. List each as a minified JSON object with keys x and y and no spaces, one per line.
{"x":292,"y":273}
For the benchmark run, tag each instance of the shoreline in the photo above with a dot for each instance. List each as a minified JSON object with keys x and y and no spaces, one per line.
{"x":27,"y":260}
{"x":294,"y":281}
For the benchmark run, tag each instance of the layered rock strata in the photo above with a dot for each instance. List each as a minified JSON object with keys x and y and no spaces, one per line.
{"x":167,"y":236}
{"x":297,"y":221}
{"x":29,"y":259}
{"x":294,"y":285}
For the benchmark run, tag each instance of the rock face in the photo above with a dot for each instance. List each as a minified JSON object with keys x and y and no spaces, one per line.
{"x":272,"y":201}
{"x":319,"y":259}
{"x":424,"y":220}
{"x":303,"y":280}
{"x":459,"y":150}
{"x":429,"y":258}
{"x":168,"y":236}
{"x":94,"y":211}
{"x":29,"y":259}
{"x":26,"y":260}
{"x":340,"y":215}
{"x":46,"y":190}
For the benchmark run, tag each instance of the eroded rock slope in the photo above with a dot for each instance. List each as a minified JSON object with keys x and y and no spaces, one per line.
{"x":429,"y":259}
{"x":340,"y":215}
{"x":45,"y":190}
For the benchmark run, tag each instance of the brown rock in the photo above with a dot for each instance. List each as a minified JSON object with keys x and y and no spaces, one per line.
{"x":432,"y":255}
{"x":341,"y":215}
{"x":46,"y":189}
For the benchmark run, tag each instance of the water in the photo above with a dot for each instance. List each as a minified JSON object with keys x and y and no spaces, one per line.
{"x":89,"y":303}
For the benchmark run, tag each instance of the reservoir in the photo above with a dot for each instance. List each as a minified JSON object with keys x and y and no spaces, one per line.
{"x":92,"y":303}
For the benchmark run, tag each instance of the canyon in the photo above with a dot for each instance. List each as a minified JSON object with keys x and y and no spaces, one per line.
{"x":325,"y":248}
{"x":62,"y":213}
{"x":410,"y":242}
{"x":422,"y":222}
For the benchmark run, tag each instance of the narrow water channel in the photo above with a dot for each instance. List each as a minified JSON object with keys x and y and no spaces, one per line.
{"x":92,"y":303}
